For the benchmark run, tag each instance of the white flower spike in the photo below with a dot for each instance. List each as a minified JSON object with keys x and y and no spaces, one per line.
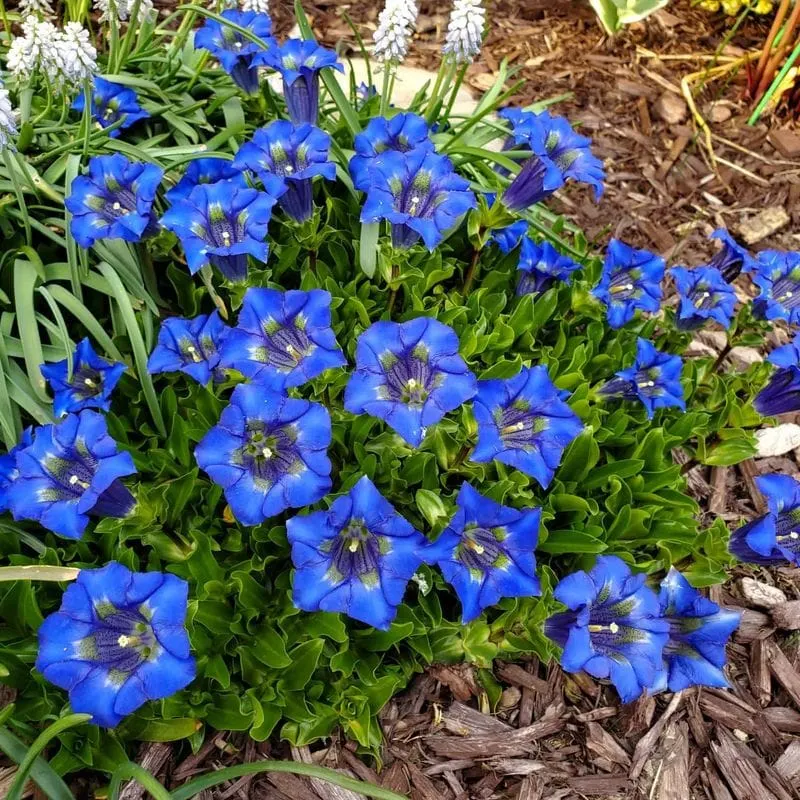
{"x":78,"y":54}
{"x":8,"y":121}
{"x":259,"y":6}
{"x":395,"y":27}
{"x":38,"y":49}
{"x":123,"y":9}
{"x":39,"y":8}
{"x":465,"y":31}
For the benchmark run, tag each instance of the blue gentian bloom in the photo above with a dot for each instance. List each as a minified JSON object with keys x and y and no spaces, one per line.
{"x":238,"y":55}
{"x":542,"y":266}
{"x":118,"y":640}
{"x":781,"y":395}
{"x":401,"y":133}
{"x":654,"y":379}
{"x":777,"y":275}
{"x":365,"y":93}
{"x":487,"y":552}
{"x":294,"y":154}
{"x":222,"y":223}
{"x":93,"y":380}
{"x":190,"y":345}
{"x":524,"y":422}
{"x":283,"y":338}
{"x":773,"y":538}
{"x":70,"y":470}
{"x":300,"y":61}
{"x":537,"y":179}
{"x":204,"y":170}
{"x":112,"y":103}
{"x":704,"y":294}
{"x":114,"y":200}
{"x":694,"y":654}
{"x":268,"y":452}
{"x":613,"y":628}
{"x":8,"y":466}
{"x":631,"y":279}
{"x":409,"y":375}
{"x":355,"y":558}
{"x":420,"y":193}
{"x":731,"y":259}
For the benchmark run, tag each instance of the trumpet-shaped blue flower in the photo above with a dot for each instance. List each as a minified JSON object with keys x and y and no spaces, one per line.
{"x":524,"y":422}
{"x":631,"y":279}
{"x":781,"y":395}
{"x":355,"y":558}
{"x":654,"y":379}
{"x":401,"y":133}
{"x":294,"y":154}
{"x":114,"y":200}
{"x":222,"y":223}
{"x":70,"y":470}
{"x":283,"y":338}
{"x":238,"y":55}
{"x":419,"y":193}
{"x":299,"y":62}
{"x":613,"y":628}
{"x":777,"y":275}
{"x":731,"y":259}
{"x":8,"y":466}
{"x":541,"y":266}
{"x":694,"y":654}
{"x":268,"y":452}
{"x":93,"y":379}
{"x":190,"y":345}
{"x":201,"y":171}
{"x":537,"y":179}
{"x":409,"y":375}
{"x":118,"y":640}
{"x":112,"y":103}
{"x":487,"y":552}
{"x":704,"y":295}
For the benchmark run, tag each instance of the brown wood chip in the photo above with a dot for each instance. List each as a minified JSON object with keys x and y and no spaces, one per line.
{"x":648,"y":741}
{"x":605,"y":745}
{"x":783,"y":671}
{"x":675,"y":765}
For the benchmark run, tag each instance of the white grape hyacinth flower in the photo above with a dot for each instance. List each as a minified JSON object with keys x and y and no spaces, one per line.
{"x":78,"y":55}
{"x":38,"y":49}
{"x":122,"y":9}
{"x":465,"y":31}
{"x":8,"y":120}
{"x":39,"y":8}
{"x":259,"y":6}
{"x":395,"y":27}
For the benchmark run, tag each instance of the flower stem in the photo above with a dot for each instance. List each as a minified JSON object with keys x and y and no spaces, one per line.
{"x":456,"y":87}
{"x":721,"y":357}
{"x":394,"y":290}
{"x":388,"y":69}
{"x":472,"y":271}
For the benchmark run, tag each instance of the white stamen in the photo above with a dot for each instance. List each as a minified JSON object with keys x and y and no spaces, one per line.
{"x":412,"y":383}
{"x":73,"y":479}
{"x":267,"y":453}
{"x":288,"y":169}
{"x":794,"y":535}
{"x":89,"y":382}
{"x":613,"y":627}
{"x":123,"y":640}
{"x":116,"y":206}
{"x":353,"y":546}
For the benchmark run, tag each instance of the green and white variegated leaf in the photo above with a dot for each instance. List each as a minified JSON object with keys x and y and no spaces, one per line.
{"x":613,"y":14}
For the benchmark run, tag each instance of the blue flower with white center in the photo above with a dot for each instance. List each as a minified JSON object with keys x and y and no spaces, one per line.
{"x":268,"y":452}
{"x":537,"y":179}
{"x":731,"y":259}
{"x":112,"y":103}
{"x":190,"y":345}
{"x":613,"y":628}
{"x":223,"y":223}
{"x":487,"y":552}
{"x":355,"y":558}
{"x":654,"y":379}
{"x":773,"y":538}
{"x":421,"y":195}
{"x":541,"y":266}
{"x":694,"y":654}
{"x":238,"y":55}
{"x":524,"y":422}
{"x":781,"y":395}
{"x":401,"y":133}
{"x":295,"y":154}
{"x":704,"y":295}
{"x":70,"y":470}
{"x":299,"y":62}
{"x":118,"y":640}
{"x":777,"y":275}
{"x":631,"y":280}
{"x":201,"y":171}
{"x":114,"y":200}
{"x":409,"y":375}
{"x":93,"y":379}
{"x":8,"y":466}
{"x":283,"y":339}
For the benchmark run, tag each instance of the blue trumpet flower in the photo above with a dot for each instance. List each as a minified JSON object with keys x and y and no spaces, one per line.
{"x":70,"y":470}
{"x":299,"y":62}
{"x":401,"y":133}
{"x":704,"y":295}
{"x":190,"y":345}
{"x":295,"y":154}
{"x":8,"y":466}
{"x":118,"y":640}
{"x":781,"y":395}
{"x":487,"y":552}
{"x":631,"y":280}
{"x":524,"y":422}
{"x":421,"y":195}
{"x":537,"y":179}
{"x":201,"y":171}
{"x":113,"y":201}
{"x":355,"y":558}
{"x":731,"y":259}
{"x":541,"y":266}
{"x":283,"y":339}
{"x":777,"y":275}
{"x":409,"y":375}
{"x":112,"y":103}
{"x":92,"y":382}
{"x":268,"y":452}
{"x":613,"y":628}
{"x":238,"y":55}
{"x":222,"y":223}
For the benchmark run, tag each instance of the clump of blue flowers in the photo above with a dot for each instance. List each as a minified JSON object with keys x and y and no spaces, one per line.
{"x":112,"y":104}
